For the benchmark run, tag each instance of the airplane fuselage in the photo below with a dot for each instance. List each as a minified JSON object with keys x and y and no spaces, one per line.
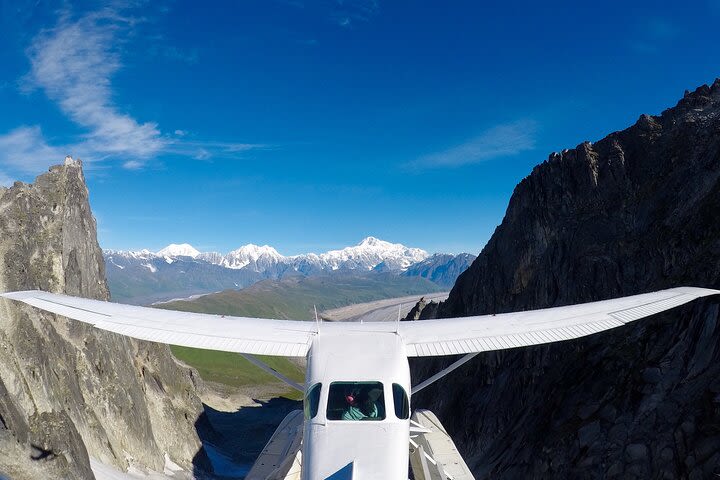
{"x":348,"y":368}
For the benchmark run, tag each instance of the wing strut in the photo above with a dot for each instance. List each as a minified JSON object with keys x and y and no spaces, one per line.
{"x":443,"y":372}
{"x":260,"y":364}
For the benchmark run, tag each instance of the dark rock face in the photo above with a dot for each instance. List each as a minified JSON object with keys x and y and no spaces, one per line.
{"x":68,"y":391}
{"x":635,"y":212}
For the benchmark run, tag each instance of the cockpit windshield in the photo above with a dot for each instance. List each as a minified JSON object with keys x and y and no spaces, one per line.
{"x":356,"y":401}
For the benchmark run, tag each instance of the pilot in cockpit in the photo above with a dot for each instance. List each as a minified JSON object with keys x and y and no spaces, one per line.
{"x":362,"y":404}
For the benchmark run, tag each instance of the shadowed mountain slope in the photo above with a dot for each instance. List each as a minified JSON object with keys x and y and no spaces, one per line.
{"x":635,"y":212}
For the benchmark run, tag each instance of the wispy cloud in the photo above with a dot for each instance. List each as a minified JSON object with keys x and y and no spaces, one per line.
{"x":349,"y":12}
{"x":132,"y":165}
{"x":26,"y":150}
{"x":207,"y":150}
{"x":500,"y":141}
{"x":73,"y":63}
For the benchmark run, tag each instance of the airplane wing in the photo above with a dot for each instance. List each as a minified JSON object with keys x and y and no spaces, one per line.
{"x":447,"y":336}
{"x":258,"y":336}
{"x":452,"y":336}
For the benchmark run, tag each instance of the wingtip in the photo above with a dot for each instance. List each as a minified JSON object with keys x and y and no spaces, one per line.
{"x":699,"y":291}
{"x":19,"y":295}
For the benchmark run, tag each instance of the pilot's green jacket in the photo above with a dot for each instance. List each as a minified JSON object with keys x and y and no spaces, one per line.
{"x":354,"y":413}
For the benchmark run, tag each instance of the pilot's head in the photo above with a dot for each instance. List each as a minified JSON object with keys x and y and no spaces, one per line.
{"x":352,"y":396}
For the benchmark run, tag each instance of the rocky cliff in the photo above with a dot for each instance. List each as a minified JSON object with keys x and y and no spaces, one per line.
{"x":635,"y":212}
{"x":67,"y":391}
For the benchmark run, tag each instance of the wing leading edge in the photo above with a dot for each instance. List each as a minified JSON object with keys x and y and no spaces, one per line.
{"x":452,"y":336}
{"x":257,"y":336}
{"x":290,"y":338}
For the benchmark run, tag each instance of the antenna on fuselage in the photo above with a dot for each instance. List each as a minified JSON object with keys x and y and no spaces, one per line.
{"x":317,"y":319}
{"x":397,"y":324}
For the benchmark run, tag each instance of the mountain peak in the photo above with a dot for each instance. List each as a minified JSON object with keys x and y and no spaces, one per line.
{"x":179,"y":250}
{"x":373,"y":242}
{"x":368,"y":241}
{"x":255,"y":255}
{"x":256,"y":250}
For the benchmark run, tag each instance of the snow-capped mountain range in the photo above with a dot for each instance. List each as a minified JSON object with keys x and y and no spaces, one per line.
{"x":366,"y":255}
{"x":179,"y":270}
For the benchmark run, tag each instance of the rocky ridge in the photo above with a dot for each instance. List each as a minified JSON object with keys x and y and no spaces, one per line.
{"x":67,"y":391}
{"x":634,"y":212}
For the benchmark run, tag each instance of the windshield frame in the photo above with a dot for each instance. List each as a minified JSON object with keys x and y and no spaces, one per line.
{"x":350,"y":401}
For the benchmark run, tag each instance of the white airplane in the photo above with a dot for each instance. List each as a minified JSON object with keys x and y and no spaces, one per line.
{"x":357,"y":408}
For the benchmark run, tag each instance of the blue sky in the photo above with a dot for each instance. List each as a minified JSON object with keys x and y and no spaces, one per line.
{"x":308,"y":125}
